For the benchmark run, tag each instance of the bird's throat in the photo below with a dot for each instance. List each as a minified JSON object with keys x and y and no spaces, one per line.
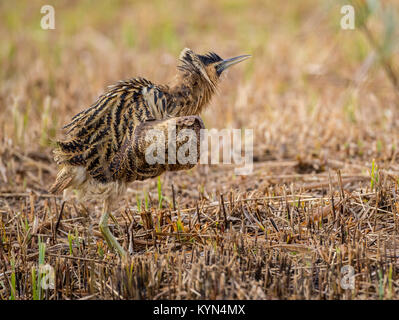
{"x":191,"y":98}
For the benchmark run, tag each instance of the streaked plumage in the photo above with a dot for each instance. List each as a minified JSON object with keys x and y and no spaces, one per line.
{"x":100,"y":153}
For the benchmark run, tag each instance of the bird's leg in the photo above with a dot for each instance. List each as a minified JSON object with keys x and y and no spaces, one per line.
{"x":112,"y":242}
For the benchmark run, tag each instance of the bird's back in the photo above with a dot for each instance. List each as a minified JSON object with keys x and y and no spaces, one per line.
{"x":98,"y":137}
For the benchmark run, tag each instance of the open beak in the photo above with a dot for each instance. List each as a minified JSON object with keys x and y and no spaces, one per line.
{"x":230,"y":62}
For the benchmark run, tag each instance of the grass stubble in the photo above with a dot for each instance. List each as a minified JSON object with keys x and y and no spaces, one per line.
{"x":322,"y":195}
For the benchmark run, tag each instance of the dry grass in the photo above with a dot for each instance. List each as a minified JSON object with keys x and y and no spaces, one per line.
{"x":322,"y":194}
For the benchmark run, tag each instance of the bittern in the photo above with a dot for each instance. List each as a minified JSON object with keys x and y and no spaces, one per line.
{"x":102,"y":151}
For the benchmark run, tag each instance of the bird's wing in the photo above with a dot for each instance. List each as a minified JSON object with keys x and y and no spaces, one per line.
{"x":98,"y":137}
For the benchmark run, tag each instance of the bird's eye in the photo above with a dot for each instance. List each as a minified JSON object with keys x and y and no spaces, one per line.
{"x":217,"y":70}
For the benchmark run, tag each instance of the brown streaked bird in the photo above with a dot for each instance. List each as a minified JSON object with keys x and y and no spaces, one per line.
{"x":104,"y":150}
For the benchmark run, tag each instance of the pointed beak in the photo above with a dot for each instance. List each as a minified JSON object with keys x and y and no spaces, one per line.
{"x":230,"y":62}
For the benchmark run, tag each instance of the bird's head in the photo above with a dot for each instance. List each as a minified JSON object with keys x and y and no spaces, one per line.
{"x":208,"y":67}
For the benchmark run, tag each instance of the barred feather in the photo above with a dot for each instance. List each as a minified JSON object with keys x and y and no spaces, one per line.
{"x":99,"y":140}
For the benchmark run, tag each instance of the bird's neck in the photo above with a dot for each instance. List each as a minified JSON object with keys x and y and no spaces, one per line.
{"x":190,"y":95}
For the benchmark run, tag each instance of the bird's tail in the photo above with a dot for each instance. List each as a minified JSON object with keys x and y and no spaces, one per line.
{"x":64,"y":180}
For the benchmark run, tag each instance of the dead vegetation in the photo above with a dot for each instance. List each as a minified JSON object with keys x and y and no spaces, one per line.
{"x":322,"y":195}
